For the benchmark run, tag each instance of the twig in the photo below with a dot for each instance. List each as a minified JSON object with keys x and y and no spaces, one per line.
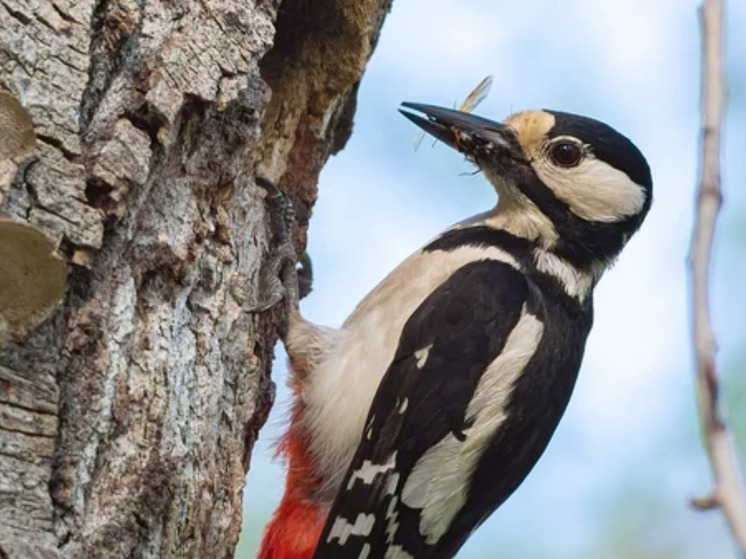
{"x":728,"y":493}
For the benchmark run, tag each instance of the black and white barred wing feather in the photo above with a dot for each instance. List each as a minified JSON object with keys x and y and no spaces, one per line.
{"x":416,"y":486}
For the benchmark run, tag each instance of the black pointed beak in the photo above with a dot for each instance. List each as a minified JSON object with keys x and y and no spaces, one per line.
{"x":465,"y":132}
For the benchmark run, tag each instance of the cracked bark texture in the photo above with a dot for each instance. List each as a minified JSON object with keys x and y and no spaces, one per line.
{"x":127,"y":419}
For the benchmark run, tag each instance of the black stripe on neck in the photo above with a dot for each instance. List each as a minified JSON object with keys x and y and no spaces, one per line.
{"x":481,"y":236}
{"x":580,"y":242}
{"x":484,"y":236}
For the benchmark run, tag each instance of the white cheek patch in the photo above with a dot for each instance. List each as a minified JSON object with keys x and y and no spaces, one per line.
{"x":594,"y":190}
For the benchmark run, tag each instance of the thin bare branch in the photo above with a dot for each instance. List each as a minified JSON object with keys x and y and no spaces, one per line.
{"x":728,"y":492}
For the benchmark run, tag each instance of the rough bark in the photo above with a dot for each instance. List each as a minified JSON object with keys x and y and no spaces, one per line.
{"x":127,"y":419}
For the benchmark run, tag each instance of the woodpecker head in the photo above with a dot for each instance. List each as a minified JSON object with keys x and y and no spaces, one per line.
{"x":586,"y":186}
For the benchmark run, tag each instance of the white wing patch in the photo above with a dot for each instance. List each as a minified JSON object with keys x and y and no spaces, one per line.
{"x":392,"y":520}
{"x":397,"y":552}
{"x":439,"y":482}
{"x":392,"y":484}
{"x":369,"y":427}
{"x":342,"y":529}
{"x":368,"y":471}
{"x":421,"y":355}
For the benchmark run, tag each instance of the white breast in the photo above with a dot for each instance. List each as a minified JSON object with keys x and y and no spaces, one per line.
{"x":340,"y":390}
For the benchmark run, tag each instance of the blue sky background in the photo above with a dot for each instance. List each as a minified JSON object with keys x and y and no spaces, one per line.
{"x":627,"y":455}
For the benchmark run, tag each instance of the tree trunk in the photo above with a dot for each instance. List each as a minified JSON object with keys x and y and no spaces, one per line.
{"x":127,"y":419}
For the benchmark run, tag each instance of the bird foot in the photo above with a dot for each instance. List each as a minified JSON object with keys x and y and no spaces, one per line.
{"x":288,"y":279}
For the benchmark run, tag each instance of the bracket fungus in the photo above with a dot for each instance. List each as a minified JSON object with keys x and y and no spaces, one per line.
{"x":16,"y":128}
{"x":32,"y":278}
{"x":17,"y":137}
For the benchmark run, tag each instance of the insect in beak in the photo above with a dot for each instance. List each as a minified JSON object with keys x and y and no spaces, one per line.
{"x":477,"y":95}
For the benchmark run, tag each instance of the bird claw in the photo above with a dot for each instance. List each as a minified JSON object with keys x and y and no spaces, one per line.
{"x":305,"y":276}
{"x":289,"y":278}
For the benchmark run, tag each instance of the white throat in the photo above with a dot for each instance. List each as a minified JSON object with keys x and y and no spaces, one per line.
{"x":518,"y":215}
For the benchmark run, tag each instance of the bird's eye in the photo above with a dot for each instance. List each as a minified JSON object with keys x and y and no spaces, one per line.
{"x":566,"y":154}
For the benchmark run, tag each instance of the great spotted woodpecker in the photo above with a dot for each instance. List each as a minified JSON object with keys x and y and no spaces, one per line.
{"x":418,"y":417}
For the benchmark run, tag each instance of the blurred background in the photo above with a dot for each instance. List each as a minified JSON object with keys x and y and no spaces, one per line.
{"x":615,"y":480}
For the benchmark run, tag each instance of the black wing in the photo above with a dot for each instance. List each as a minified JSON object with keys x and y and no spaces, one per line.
{"x":444,"y":348}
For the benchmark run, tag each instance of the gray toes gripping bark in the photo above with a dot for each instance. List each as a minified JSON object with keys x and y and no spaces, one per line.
{"x":289,"y":279}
